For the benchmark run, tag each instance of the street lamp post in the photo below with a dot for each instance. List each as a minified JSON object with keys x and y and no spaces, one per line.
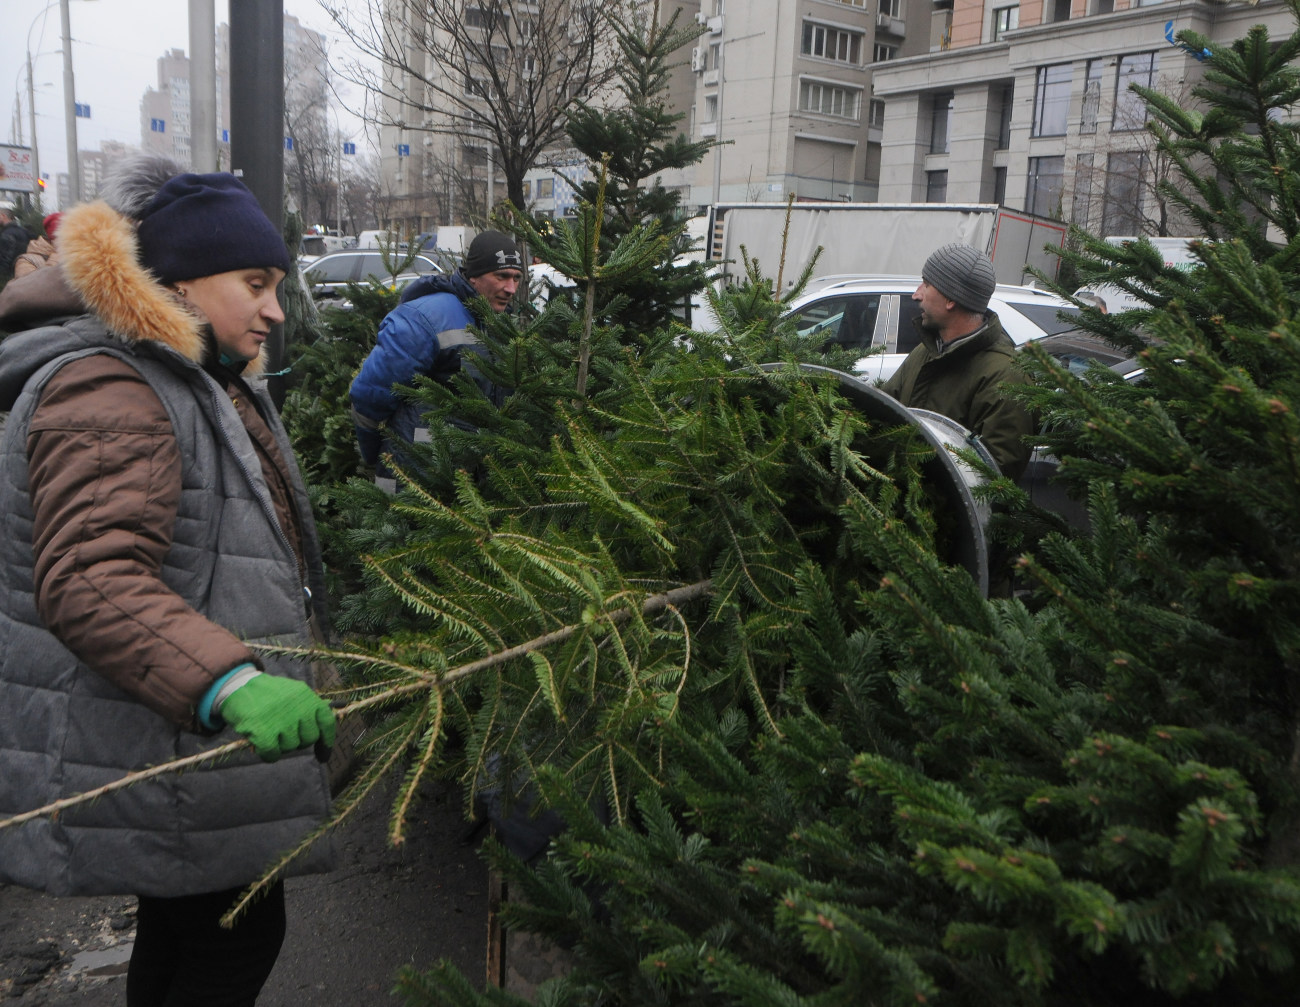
{"x":70,"y":107}
{"x":31,"y":113}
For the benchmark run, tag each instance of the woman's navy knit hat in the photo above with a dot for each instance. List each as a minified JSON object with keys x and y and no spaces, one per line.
{"x":201,"y":225}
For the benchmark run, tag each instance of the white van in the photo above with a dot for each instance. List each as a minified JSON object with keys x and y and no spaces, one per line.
{"x":1176,"y":254}
{"x":375,"y":239}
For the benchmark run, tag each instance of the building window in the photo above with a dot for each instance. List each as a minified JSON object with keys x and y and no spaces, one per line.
{"x":480,"y":87}
{"x":1122,"y":209}
{"x":1091,"y":97}
{"x":1006,"y":105}
{"x":1081,"y":203}
{"x":1000,"y":186}
{"x":832,"y":43}
{"x":545,"y":188}
{"x":711,"y":108}
{"x":881,"y":52}
{"x":489,"y":18}
{"x":877,"y":114}
{"x":936,"y":186}
{"x":715,"y":57}
{"x":1051,"y":100}
{"x":940,"y":118}
{"x":1046,"y":182}
{"x":1056,"y":10}
{"x":1131,"y":109}
{"x":1005,"y":19}
{"x":892,"y":8}
{"x":826,"y":99}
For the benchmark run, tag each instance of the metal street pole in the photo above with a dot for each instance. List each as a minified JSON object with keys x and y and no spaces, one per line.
{"x":70,"y":108}
{"x":257,"y":125}
{"x":31,"y":112}
{"x":203,"y":85}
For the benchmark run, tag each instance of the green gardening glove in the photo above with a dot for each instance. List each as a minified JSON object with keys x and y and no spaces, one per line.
{"x":278,"y":715}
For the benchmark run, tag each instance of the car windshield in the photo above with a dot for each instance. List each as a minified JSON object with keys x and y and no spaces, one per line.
{"x":1048,"y":316}
{"x":1077,"y":349}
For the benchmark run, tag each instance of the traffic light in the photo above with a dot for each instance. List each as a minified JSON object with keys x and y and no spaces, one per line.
{"x":40,"y":182}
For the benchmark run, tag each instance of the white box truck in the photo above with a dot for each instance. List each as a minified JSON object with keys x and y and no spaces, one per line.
{"x":880,"y":238}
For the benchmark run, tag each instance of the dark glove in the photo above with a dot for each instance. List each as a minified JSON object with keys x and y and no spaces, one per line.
{"x":278,"y":715}
{"x":369,"y":443}
{"x":369,"y":439}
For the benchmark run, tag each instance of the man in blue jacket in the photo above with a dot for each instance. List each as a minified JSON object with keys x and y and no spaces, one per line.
{"x":428,"y":333}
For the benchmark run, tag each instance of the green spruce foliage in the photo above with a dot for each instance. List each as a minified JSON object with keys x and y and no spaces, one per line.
{"x":708,"y":612}
{"x":629,"y":147}
{"x":1084,"y":798}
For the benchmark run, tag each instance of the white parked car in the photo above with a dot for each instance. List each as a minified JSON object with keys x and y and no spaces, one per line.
{"x":875,"y":313}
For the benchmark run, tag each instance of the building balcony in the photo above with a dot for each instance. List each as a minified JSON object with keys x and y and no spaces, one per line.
{"x":891,"y":25}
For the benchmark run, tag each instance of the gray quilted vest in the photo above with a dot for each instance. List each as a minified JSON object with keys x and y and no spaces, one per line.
{"x":65,"y":729}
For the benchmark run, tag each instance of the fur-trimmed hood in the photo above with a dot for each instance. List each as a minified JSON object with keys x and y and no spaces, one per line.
{"x":100,"y":258}
{"x":99,"y":265}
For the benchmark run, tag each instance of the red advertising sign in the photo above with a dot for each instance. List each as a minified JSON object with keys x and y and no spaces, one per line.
{"x":15,"y":169}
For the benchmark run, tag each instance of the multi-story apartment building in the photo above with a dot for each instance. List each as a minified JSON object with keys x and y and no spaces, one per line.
{"x":165,"y":111}
{"x":786,"y":87}
{"x":96,"y":165}
{"x":1027,"y":104}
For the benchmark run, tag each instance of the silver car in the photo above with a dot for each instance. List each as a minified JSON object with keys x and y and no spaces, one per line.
{"x":330,"y":274}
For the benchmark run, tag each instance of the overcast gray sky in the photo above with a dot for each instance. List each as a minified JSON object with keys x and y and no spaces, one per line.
{"x":115,"y":49}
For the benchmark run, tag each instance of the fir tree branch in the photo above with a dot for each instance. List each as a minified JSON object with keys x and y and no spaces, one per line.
{"x":425,"y":680}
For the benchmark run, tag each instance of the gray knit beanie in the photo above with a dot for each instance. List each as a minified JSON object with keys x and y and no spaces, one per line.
{"x":962,"y":274}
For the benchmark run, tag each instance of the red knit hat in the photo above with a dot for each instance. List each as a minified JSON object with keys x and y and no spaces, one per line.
{"x":51,"y":224}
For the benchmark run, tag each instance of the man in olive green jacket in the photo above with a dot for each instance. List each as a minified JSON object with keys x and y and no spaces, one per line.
{"x":964,"y":358}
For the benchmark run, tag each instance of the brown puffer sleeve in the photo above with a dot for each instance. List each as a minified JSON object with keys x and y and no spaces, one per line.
{"x":105,"y":474}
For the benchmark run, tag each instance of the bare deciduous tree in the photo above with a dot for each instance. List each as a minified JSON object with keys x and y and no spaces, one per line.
{"x":500,"y":71}
{"x":1121,"y":178}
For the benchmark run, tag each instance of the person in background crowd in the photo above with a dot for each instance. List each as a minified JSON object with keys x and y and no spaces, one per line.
{"x":40,"y":250}
{"x":964,"y":358}
{"x":13,"y":240}
{"x":1090,"y":297}
{"x":428,"y":333}
{"x":157,"y":528}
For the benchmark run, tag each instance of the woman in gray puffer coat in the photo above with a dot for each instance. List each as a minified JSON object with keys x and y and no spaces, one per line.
{"x":156,"y":526}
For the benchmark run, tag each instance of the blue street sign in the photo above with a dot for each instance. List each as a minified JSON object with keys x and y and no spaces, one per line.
{"x":157,"y":126}
{"x":288,"y":143}
{"x":349,"y":148}
{"x":80,"y":111}
{"x":403,"y":150}
{"x":225,"y":136}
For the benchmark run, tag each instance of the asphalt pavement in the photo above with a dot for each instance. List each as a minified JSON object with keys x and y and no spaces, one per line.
{"x":349,"y":931}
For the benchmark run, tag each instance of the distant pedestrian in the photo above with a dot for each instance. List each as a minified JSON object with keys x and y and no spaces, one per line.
{"x":40,"y":250}
{"x":428,"y":333}
{"x":13,"y":240}
{"x":1093,"y":298}
{"x":964,"y":359}
{"x":157,"y":529}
